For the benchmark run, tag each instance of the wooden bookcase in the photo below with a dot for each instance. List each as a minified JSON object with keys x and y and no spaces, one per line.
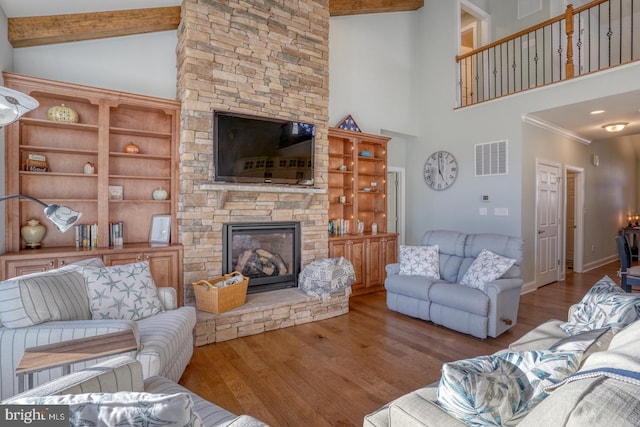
{"x":108,"y":121}
{"x":358,"y":192}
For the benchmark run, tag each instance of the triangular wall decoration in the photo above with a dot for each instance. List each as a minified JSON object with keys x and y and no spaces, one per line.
{"x":349,"y":124}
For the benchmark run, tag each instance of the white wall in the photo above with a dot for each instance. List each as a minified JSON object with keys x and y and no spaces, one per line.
{"x":143,"y":64}
{"x":6,"y":64}
{"x":371,"y":69}
{"x":438,"y":126}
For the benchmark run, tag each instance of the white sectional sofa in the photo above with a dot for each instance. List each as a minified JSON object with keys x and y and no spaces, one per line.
{"x":599,"y":389}
{"x":120,"y":380}
{"x":73,"y":302}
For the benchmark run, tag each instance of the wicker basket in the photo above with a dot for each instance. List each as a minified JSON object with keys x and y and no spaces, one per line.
{"x":214,"y":299}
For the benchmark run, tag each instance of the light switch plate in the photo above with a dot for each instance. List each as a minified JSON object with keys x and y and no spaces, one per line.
{"x":501,"y":211}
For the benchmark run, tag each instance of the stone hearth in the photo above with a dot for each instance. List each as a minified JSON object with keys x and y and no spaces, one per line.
{"x":268,"y":311}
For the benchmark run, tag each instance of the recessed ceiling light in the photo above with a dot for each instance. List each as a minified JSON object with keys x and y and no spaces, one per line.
{"x":597,"y":112}
{"x":615,"y":127}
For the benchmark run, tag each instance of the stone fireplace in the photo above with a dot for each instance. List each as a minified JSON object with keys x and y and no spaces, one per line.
{"x":268,"y":59}
{"x":268,"y":253}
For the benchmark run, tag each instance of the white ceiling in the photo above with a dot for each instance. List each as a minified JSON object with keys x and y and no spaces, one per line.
{"x":573,"y":118}
{"x":577,"y":118}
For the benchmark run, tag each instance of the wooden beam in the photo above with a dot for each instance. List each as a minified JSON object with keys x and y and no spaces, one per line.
{"x":358,"y":7}
{"x":43,"y":30}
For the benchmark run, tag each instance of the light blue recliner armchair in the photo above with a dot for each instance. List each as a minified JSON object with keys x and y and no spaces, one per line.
{"x":489,"y":311}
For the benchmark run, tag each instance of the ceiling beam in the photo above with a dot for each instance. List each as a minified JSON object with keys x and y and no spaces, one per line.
{"x":43,"y":30}
{"x":359,"y":7}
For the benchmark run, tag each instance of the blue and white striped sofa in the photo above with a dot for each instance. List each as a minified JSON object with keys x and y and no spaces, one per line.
{"x":165,"y":340}
{"x":124,"y":374}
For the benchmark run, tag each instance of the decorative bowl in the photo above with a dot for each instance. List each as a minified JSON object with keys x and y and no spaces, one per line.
{"x":365,"y":153}
{"x":366,"y":189}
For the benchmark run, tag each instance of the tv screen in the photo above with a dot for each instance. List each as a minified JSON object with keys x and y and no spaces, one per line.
{"x":250,"y":149}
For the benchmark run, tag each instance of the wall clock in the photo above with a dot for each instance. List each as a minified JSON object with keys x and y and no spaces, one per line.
{"x":440,"y":170}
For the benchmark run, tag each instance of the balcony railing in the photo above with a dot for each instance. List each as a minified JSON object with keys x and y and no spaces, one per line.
{"x":599,"y":35}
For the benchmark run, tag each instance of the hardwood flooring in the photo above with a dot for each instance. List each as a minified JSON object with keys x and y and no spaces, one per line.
{"x":334,"y":372}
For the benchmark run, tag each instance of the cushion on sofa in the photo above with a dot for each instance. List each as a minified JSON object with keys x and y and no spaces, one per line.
{"x":58,"y":294}
{"x":486,"y":268}
{"x":123,"y":408}
{"x":587,"y":342}
{"x":501,"y":389}
{"x":604,"y":305}
{"x":420,"y":261}
{"x":122,"y":292}
{"x":541,"y":337}
{"x":460,"y":297}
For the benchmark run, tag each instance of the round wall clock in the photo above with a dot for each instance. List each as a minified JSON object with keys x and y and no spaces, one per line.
{"x":440,"y":170}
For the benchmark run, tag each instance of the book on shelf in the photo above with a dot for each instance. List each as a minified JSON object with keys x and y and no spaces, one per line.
{"x":116,"y":233}
{"x":338,"y":227}
{"x":86,"y":235}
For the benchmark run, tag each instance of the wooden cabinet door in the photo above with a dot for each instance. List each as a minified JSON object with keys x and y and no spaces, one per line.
{"x":357,"y":257}
{"x":14,"y":268}
{"x":355,"y":253}
{"x":390,"y":251}
{"x":375,"y":259}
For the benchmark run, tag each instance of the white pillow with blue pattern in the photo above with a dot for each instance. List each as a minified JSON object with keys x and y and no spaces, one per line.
{"x":58,"y":294}
{"x":123,"y":408}
{"x":501,"y":389}
{"x":605,"y":305}
{"x":486,"y":268}
{"x":122,"y":292}
{"x":420,"y":261}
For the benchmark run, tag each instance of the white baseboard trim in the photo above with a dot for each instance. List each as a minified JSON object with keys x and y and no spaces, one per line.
{"x":531,"y":286}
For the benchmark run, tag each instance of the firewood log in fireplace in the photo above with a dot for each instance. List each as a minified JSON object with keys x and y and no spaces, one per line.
{"x":261,"y":263}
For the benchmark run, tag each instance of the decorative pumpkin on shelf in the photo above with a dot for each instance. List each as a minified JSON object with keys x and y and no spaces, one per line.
{"x":62,"y":113}
{"x":132,"y":148}
{"x":160,"y":194}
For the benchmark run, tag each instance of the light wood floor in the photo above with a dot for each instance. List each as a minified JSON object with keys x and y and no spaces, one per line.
{"x":333,"y":372}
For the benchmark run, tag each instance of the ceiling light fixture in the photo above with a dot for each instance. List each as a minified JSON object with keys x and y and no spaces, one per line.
{"x":615,"y":127}
{"x":597,"y":112}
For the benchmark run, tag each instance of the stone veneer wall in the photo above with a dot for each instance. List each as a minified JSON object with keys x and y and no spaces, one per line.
{"x":262,"y":57}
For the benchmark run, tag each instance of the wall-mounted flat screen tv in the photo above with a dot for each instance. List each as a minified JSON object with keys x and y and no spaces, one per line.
{"x":250,"y":149}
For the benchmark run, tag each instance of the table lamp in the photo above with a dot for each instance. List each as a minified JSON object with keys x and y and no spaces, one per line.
{"x":13,"y":105}
{"x":62,"y":216}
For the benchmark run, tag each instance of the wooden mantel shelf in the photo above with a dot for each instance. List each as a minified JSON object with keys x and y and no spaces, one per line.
{"x":224,"y":189}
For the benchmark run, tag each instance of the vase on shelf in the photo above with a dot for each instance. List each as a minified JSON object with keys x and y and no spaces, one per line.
{"x":32,"y":233}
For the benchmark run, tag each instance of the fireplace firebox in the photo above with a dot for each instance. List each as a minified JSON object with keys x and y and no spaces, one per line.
{"x":266,"y":252}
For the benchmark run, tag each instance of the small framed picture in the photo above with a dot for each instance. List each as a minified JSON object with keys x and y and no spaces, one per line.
{"x":115,"y":192}
{"x":160,"y":231}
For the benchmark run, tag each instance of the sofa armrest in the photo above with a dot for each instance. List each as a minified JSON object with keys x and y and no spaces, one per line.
{"x":393,"y":268}
{"x":117,"y":374}
{"x":168,"y":297}
{"x":504,"y":296}
{"x":502,"y":285}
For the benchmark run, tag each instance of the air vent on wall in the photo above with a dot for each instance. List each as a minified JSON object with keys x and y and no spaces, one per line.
{"x":491,"y":158}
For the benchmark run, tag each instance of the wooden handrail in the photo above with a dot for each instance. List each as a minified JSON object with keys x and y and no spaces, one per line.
{"x":566,"y":16}
{"x":544,"y":53}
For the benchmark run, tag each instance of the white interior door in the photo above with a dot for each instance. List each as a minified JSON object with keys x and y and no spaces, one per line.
{"x":548,"y":224}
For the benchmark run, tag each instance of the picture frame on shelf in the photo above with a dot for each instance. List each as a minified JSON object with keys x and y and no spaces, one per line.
{"x":116,"y":192}
{"x":160,"y":230}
